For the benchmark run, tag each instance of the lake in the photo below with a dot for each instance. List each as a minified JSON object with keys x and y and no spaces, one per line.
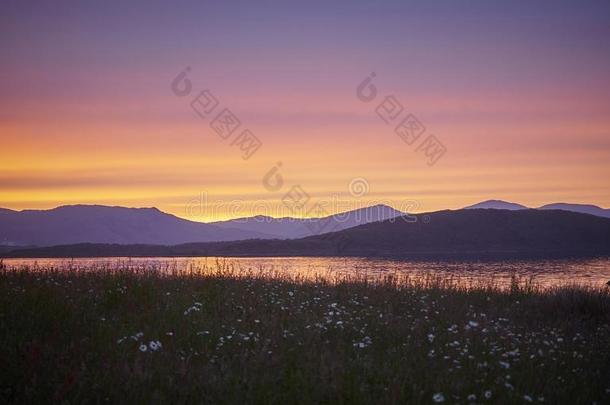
{"x":592,"y":272}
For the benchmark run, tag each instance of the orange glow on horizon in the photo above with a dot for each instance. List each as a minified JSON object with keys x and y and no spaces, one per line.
{"x":89,"y":117}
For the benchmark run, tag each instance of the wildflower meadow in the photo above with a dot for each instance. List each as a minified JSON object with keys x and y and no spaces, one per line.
{"x":148,"y":336}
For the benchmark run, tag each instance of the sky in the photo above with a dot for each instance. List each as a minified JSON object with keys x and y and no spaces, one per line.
{"x":513,"y":98}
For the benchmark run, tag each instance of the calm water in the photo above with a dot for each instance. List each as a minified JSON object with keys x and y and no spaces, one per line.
{"x":546,"y":272}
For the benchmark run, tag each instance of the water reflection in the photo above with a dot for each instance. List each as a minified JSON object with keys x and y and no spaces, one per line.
{"x":595,"y":272}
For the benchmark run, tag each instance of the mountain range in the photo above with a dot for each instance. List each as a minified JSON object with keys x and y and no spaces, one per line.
{"x":582,"y":208}
{"x":127,"y":226}
{"x":472,"y":232}
{"x":120,"y":225}
{"x":291,"y":228}
{"x":101,"y":224}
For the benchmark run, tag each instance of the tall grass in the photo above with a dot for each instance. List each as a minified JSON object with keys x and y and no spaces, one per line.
{"x":219,"y":335}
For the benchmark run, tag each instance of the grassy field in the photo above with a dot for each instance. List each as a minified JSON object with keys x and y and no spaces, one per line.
{"x":116,"y":336}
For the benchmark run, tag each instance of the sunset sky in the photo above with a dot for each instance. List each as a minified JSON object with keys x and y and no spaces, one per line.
{"x":517,"y":92}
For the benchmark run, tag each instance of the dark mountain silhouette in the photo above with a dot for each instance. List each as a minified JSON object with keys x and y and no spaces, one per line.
{"x":582,"y":208}
{"x":290,"y":228}
{"x":119,"y":225}
{"x":498,"y":205}
{"x":473,"y":232}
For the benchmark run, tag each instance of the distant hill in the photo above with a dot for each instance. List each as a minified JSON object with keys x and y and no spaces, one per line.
{"x":497,"y":205}
{"x":120,"y":225}
{"x":582,"y":208}
{"x":478,"y":232}
{"x":290,"y":228}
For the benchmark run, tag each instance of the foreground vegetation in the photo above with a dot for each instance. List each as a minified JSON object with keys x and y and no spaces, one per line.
{"x":151,"y":336}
